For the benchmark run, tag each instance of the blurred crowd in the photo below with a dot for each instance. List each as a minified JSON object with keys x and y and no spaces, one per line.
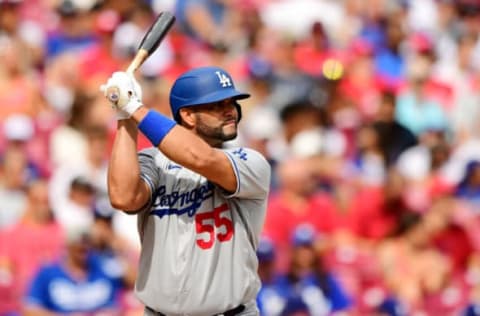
{"x":367,"y":110}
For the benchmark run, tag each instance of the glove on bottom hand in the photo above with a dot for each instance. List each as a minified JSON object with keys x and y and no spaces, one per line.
{"x":129,"y":93}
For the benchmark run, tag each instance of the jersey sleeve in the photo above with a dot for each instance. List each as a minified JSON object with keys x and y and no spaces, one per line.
{"x":149,"y":172}
{"x":338,"y":297}
{"x":253,"y":173}
{"x":37,"y":292}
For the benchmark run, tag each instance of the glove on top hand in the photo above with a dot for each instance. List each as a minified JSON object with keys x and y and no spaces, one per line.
{"x":129,"y":93}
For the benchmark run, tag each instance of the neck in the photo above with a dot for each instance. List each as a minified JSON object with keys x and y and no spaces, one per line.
{"x":32,"y":218}
{"x":77,"y":269}
{"x":214,"y":142}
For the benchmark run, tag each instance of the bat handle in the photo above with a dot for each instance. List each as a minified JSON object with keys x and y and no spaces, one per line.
{"x":137,"y":61}
{"x":112,"y":93}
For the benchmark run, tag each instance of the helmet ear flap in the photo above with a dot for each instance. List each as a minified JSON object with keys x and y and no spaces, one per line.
{"x":176,"y":117}
{"x":239,"y":110}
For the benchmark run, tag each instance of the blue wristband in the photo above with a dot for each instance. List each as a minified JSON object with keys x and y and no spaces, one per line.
{"x":155,"y":126}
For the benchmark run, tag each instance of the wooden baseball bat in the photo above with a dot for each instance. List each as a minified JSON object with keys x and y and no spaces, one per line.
{"x":150,"y":41}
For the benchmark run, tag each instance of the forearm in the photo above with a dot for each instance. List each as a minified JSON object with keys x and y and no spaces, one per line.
{"x":180,"y":145}
{"x":192,"y":152}
{"x":202,"y":23}
{"x":124,"y":171}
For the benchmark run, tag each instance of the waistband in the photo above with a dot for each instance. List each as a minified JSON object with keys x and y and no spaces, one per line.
{"x":231,"y":312}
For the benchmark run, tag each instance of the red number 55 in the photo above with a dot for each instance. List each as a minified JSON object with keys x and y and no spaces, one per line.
{"x":209,"y":222}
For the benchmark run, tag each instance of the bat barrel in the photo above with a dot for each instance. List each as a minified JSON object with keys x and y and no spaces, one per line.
{"x":148,"y":45}
{"x":157,"y":32}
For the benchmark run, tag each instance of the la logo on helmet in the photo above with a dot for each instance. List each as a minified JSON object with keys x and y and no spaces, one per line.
{"x":224,"y":79}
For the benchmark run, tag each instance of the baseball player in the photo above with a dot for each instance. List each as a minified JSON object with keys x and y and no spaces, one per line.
{"x":200,"y":207}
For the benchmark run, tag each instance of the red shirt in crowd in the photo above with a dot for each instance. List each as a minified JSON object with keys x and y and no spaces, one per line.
{"x":370,"y":216}
{"x":23,"y":249}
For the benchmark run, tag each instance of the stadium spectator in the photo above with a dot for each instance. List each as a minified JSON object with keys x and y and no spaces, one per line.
{"x":209,"y":21}
{"x":415,"y":108}
{"x":118,"y":254}
{"x":79,"y":282}
{"x":298,"y":200}
{"x":15,"y":176}
{"x":74,"y":31}
{"x":76,"y":206}
{"x":273,"y":295}
{"x":309,"y":280}
{"x":19,"y":89}
{"x":36,"y":239}
{"x":395,"y":137}
{"x":100,"y":59}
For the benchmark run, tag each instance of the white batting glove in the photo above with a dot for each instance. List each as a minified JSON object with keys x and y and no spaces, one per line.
{"x":129,"y":94}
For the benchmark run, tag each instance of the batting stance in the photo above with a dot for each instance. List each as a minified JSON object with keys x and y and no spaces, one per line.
{"x":200,"y":207}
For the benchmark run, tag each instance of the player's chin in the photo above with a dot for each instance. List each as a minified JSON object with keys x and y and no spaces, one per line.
{"x":230,"y":127}
{"x":229,"y":134}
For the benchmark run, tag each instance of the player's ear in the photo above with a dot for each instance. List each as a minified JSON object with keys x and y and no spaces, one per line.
{"x":187,"y":117}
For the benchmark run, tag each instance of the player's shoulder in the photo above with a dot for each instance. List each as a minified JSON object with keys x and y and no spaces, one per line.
{"x":152,"y":152}
{"x":248,"y":157}
{"x":149,"y":151}
{"x":153,"y":155}
{"x":154,"y":158}
{"x":50,"y":270}
{"x":245,"y":154}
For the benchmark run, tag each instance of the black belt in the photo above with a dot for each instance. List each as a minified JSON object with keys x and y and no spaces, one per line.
{"x":231,"y":312}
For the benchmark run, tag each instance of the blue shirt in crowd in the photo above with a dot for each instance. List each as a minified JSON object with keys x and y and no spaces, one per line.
{"x":54,"y":289}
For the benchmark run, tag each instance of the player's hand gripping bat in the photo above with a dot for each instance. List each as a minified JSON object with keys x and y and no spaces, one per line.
{"x":150,"y":41}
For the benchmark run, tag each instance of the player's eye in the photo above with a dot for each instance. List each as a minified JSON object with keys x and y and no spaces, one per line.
{"x":217,"y":106}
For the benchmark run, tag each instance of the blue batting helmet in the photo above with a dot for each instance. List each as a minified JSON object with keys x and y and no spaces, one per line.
{"x":201,"y":86}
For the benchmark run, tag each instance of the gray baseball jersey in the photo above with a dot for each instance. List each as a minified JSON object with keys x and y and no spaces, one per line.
{"x":199,"y":242}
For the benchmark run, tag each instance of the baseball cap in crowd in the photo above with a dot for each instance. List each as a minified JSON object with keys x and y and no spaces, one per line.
{"x":262,"y":123}
{"x":77,"y":234}
{"x":66,"y":8}
{"x":303,"y":235}
{"x":421,"y":42}
{"x":18,"y":127}
{"x":103,"y":209}
{"x":72,"y":7}
{"x":259,"y":68}
{"x":82,"y":183}
{"x":107,"y":21}
{"x":470,"y":167}
{"x":473,"y":310}
{"x":266,"y":249}
{"x":307,"y":143}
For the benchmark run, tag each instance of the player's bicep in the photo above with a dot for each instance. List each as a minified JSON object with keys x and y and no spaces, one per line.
{"x":221,"y":171}
{"x":148,"y":180}
{"x":252,"y":173}
{"x":142,"y":197}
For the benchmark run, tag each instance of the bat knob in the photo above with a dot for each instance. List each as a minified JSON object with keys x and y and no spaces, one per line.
{"x":113,"y":98}
{"x":113,"y":95}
